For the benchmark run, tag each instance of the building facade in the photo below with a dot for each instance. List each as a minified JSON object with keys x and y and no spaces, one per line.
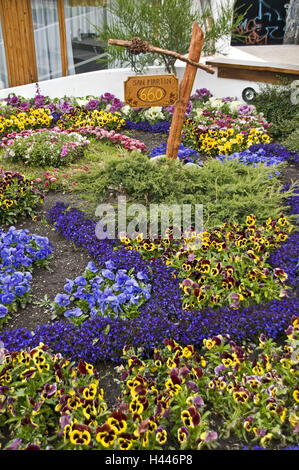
{"x":46,"y":39}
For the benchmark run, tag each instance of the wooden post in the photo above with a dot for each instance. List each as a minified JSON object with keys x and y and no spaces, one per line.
{"x":173,"y":142}
{"x":62,"y":35}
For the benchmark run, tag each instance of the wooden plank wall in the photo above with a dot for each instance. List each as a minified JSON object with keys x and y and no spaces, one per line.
{"x":17,"y":27}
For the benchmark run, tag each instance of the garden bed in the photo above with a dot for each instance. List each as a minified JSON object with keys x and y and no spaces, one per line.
{"x":159,"y":319}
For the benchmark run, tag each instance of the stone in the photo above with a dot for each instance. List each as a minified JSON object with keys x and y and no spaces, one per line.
{"x":157,"y":158}
{"x":192,"y":165}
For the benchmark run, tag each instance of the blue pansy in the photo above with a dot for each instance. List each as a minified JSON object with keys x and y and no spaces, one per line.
{"x":62,"y":300}
{"x":108,"y":274}
{"x":110,"y":265}
{"x":91,"y":267}
{"x":68,"y":286}
{"x":3,"y":311}
{"x":75,"y":312}
{"x":7,"y":298}
{"x":21,"y":290}
{"x":80,"y":281}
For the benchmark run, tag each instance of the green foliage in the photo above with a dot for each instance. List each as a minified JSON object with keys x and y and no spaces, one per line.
{"x":276,"y":104}
{"x":292,"y":141}
{"x":47,"y":148}
{"x":18,"y":197}
{"x":165,"y":24}
{"x":227,"y":190}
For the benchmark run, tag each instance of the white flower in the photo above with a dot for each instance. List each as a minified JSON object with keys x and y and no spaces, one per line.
{"x":215,"y":102}
{"x":81,"y":102}
{"x":198,"y":112}
{"x":154,"y":113}
{"x":234,"y":105}
{"x":126,"y":109}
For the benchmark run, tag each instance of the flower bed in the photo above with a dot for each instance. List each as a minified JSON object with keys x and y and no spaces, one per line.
{"x":162,"y":315}
{"x":111,"y":292}
{"x":19,"y":251}
{"x":47,"y":148}
{"x":163,"y":400}
{"x":191,"y":321}
{"x":226,"y":265}
{"x":268,"y":155}
{"x":18,"y":197}
{"x":96,"y":132}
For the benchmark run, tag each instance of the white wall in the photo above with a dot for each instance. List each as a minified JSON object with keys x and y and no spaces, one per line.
{"x":112,"y":81}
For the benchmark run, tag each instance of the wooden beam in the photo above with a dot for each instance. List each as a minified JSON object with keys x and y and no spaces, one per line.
{"x":62,"y":34}
{"x":258,"y":66}
{"x":158,"y":50}
{"x":265,"y":76}
{"x":186,"y":85}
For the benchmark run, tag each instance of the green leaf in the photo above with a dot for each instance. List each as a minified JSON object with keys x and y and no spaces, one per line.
{"x":106,"y":329}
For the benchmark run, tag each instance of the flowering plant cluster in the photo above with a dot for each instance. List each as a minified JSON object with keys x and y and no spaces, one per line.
{"x":81,"y":118}
{"x":168,"y":398}
{"x":111,"y":136}
{"x":47,"y":148}
{"x":108,"y":292}
{"x":225,"y":266}
{"x":201,"y":94}
{"x":256,"y":395}
{"x":67,"y":104}
{"x":229,"y":106}
{"x":18,"y":197}
{"x":268,"y":155}
{"x":152,"y":115}
{"x":89,"y":131}
{"x":214,"y":139}
{"x":31,"y":119}
{"x":55,"y":179}
{"x":19,"y":251}
{"x":185,"y":154}
{"x":158,"y":127}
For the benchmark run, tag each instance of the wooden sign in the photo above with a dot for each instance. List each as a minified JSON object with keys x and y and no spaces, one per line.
{"x":144,"y":91}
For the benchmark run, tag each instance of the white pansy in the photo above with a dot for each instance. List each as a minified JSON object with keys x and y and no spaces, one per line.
{"x":215,"y":102}
{"x":153,"y":113}
{"x":126,"y":109}
{"x":234,"y":105}
{"x":198,"y":112}
{"x":81,"y":102}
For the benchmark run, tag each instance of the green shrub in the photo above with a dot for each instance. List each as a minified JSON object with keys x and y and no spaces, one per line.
{"x":276,"y":104}
{"x":292,"y":141}
{"x":227,"y":190}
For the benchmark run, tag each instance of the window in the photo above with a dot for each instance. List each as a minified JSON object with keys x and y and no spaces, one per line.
{"x":3,"y":68}
{"x":47,"y":39}
{"x":83,"y":50}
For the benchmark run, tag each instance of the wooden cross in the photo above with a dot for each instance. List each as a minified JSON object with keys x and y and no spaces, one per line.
{"x":137,"y":46}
